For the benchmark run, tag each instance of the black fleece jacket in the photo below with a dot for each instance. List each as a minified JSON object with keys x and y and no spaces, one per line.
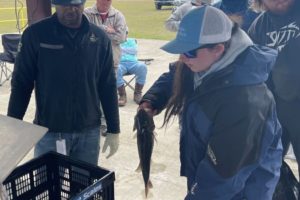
{"x":71,"y":72}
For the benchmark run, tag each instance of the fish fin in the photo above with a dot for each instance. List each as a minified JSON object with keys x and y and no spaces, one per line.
{"x":150,"y":184}
{"x":146,"y":191}
{"x":147,"y":186}
{"x":139,"y":168}
{"x":134,"y":136}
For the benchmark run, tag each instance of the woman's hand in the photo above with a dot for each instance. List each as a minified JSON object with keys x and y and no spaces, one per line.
{"x":146,"y":105}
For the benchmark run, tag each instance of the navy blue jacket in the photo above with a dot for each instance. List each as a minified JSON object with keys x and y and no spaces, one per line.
{"x":230,"y":145}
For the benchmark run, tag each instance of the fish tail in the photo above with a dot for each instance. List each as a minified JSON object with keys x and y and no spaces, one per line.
{"x":147,"y":186}
{"x":146,"y":191}
{"x":139,"y":168}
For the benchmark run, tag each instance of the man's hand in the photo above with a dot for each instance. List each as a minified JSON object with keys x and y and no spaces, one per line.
{"x":111,"y":141}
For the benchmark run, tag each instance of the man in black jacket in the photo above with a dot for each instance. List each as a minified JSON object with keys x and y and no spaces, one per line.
{"x":68,"y":62}
{"x":279,"y":28}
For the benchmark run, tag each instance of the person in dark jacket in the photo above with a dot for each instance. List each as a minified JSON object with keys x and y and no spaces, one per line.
{"x":68,"y":62}
{"x":279,"y":28}
{"x":230,"y":144}
{"x":239,"y":11}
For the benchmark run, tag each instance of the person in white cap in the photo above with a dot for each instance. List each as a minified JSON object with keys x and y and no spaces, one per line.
{"x":172,"y":23}
{"x":230,"y":140}
{"x":68,"y":62}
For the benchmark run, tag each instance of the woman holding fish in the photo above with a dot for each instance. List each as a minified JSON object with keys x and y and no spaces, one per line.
{"x":230,"y":147}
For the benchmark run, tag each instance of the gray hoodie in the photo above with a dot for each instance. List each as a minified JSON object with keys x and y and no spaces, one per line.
{"x":239,"y":42}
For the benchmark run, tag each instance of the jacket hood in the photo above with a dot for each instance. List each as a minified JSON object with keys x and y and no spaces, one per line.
{"x":253,"y":66}
{"x":246,"y":62}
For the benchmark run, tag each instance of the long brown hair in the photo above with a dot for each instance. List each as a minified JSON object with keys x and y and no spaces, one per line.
{"x":180,"y":90}
{"x":181,"y":86}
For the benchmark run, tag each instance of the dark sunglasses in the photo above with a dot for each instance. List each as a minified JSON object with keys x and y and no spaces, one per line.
{"x":193,"y":53}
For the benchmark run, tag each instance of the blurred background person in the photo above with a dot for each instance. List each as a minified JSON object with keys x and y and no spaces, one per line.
{"x":112,"y":21}
{"x":172,"y":23}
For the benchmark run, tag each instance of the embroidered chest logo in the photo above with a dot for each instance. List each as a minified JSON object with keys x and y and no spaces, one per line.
{"x":279,"y":38}
{"x":93,"y":38}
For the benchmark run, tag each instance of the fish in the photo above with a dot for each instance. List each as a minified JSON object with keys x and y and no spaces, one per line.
{"x":144,"y":125}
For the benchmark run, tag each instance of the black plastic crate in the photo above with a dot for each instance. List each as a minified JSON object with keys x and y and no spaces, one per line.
{"x":54,"y":176}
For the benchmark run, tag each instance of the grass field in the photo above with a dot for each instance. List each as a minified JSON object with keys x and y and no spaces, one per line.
{"x":143,"y":20}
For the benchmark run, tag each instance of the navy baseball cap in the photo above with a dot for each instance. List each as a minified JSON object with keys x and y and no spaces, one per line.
{"x":67,"y":2}
{"x":201,"y":26}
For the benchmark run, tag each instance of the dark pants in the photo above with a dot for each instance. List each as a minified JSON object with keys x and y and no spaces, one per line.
{"x":289,"y":117}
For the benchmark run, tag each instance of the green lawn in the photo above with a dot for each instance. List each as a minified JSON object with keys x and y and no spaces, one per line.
{"x":142,"y":18}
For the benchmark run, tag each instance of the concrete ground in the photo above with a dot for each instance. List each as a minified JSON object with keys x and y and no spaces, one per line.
{"x":167,"y":184}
